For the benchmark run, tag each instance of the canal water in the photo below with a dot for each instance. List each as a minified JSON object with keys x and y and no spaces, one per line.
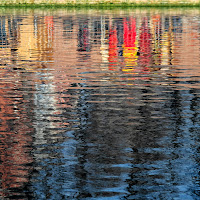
{"x":100,"y":104}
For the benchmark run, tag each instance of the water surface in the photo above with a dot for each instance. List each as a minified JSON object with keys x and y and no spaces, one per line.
{"x":100,"y":104}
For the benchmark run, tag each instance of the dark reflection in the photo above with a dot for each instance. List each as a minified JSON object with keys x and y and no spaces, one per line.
{"x":83,"y":36}
{"x":99,"y":106}
{"x":3,"y":34}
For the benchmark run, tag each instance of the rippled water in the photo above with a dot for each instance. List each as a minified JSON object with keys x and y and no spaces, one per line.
{"x":100,"y":104}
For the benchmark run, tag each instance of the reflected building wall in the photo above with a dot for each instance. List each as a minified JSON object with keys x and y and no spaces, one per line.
{"x":156,"y":31}
{"x":166,"y":41}
{"x":130,"y":43}
{"x":113,"y":50}
{"x":4,"y":41}
{"x":187,"y":52}
{"x":27,"y":40}
{"x":45,"y":39}
{"x":15,"y":130}
{"x":186,"y":49}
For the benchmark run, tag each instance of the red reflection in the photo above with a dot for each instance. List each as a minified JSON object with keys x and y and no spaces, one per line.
{"x":130,"y":33}
{"x":113,"y":50}
{"x":130,"y":49}
{"x":49,"y":22}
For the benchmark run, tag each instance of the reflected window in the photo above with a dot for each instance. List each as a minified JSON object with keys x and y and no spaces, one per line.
{"x":3,"y":35}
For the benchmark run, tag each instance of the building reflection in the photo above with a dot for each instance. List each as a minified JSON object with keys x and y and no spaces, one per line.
{"x":145,"y":44}
{"x":156,"y":33}
{"x":113,"y":50}
{"x":90,"y":105}
{"x":16,"y":140}
{"x":130,"y":44}
{"x":25,"y":53}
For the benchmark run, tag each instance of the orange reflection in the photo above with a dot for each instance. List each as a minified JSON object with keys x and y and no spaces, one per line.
{"x":15,"y":141}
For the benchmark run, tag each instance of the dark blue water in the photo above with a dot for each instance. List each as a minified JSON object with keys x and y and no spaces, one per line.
{"x":100,"y":104}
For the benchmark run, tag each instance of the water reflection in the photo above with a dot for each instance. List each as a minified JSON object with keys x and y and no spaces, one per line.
{"x":99,"y":106}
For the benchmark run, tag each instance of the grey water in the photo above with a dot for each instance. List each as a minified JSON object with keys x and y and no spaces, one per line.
{"x":100,"y":104}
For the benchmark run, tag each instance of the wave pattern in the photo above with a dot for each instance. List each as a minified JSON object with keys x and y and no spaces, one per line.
{"x":99,"y":106}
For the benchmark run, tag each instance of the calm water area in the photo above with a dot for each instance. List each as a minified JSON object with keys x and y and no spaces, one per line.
{"x":100,"y":104}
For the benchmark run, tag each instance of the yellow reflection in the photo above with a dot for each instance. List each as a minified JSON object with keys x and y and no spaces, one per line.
{"x":130,"y":45}
{"x":27,"y":40}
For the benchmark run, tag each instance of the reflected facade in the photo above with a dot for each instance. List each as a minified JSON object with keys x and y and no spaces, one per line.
{"x":99,"y":106}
